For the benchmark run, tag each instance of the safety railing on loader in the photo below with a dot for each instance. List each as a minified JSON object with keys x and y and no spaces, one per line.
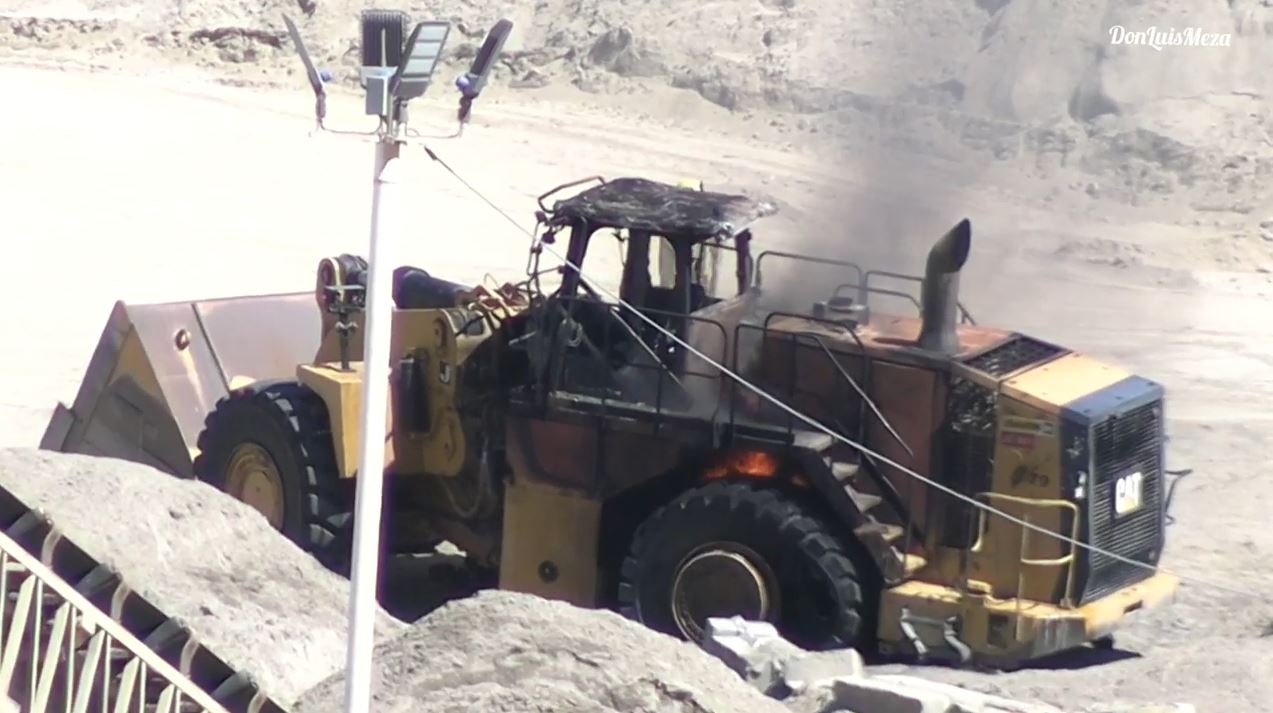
{"x":1024,"y":561}
{"x":860,"y":283}
{"x":663,"y":383}
{"x":864,"y":290}
{"x":789,"y":390}
{"x":75,"y":637}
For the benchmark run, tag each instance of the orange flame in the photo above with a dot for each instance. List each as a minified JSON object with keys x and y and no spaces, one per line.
{"x":750,"y":464}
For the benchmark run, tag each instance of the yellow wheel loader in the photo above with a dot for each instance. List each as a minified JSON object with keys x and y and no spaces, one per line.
{"x":579,"y":452}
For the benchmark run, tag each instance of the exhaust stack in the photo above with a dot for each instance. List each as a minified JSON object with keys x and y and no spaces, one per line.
{"x":940,"y":296}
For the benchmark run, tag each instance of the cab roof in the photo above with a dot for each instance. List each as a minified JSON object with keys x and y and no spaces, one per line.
{"x":673,"y":212}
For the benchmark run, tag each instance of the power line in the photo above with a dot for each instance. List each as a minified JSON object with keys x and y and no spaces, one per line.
{"x":818,"y":425}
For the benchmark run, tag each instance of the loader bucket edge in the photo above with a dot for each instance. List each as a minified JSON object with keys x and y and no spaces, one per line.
{"x":160,"y":369}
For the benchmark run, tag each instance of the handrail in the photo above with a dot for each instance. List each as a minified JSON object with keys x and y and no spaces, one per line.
{"x":965,"y":315}
{"x":105,"y":638}
{"x":1023,"y":561}
{"x":840,"y":368}
{"x":845,"y":375}
{"x":571,"y":184}
{"x":806,"y":258}
{"x":860,"y":288}
{"x":567,"y":306}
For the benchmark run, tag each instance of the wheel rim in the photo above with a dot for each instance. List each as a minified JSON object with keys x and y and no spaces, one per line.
{"x":720,"y":580}
{"x":253,"y":478}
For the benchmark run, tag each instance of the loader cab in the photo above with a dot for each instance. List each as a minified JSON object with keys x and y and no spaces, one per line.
{"x":671,"y":238}
{"x":672,"y":242}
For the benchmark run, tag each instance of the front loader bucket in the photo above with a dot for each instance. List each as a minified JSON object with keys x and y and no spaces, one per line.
{"x":159,"y":370}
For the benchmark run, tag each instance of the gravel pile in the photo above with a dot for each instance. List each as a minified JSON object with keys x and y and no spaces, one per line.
{"x":501,"y":651}
{"x":247,"y":593}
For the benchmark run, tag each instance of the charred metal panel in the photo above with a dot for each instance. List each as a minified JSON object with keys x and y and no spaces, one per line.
{"x":912,"y":400}
{"x":966,"y":457}
{"x":554,"y":453}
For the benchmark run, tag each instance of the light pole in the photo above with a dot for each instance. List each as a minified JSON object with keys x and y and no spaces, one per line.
{"x":395,"y":69}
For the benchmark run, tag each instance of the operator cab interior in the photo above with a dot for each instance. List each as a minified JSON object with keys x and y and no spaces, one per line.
{"x":672,"y":239}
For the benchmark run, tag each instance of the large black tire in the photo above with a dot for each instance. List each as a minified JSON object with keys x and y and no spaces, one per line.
{"x":290,"y":424}
{"x":819,"y":598}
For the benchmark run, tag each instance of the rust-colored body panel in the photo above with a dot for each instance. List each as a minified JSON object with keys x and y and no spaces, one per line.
{"x":584,"y":457}
{"x":894,"y":337}
{"x":913,"y":401}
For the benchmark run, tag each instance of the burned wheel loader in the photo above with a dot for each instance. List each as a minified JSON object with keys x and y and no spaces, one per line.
{"x":580,"y":453}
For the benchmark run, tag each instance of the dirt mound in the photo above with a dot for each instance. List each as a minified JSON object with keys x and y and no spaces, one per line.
{"x":1020,"y":60}
{"x":248,"y":594}
{"x":1042,"y":85}
{"x":500,"y":651}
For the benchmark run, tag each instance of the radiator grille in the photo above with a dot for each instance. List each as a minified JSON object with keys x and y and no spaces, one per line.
{"x":1017,"y":353}
{"x":1123,"y":445}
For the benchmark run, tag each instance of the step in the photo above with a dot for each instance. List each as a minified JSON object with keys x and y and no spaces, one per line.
{"x":889,"y":534}
{"x":912,"y":564}
{"x":865,"y":502}
{"x":812,"y":440}
{"x":844,"y":471}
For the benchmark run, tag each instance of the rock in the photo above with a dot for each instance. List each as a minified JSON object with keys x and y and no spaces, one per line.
{"x":818,"y":699}
{"x":618,"y":51}
{"x":532,"y":79}
{"x":805,"y":670}
{"x":753,"y":650}
{"x":963,"y":700}
{"x":869,"y":695}
{"x":1141,"y":708}
{"x":770,"y":663}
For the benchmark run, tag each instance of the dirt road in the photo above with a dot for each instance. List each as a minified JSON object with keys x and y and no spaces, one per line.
{"x":171,"y":188}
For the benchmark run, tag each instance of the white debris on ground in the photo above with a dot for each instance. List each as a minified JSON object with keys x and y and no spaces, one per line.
{"x":503,"y":651}
{"x":246,"y":592}
{"x":836,"y":681}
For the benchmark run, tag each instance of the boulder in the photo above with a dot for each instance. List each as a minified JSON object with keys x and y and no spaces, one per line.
{"x":963,"y":700}
{"x":869,"y":695}
{"x":1141,"y":708}
{"x":803,"y":670}
{"x":754,"y":650}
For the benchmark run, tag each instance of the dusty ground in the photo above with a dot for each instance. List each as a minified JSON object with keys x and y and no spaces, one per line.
{"x":1134,"y":235}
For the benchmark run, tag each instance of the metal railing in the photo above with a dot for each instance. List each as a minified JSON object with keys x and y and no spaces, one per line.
{"x":1024,"y":561}
{"x":860,"y":280}
{"x":60,"y":652}
{"x":867,"y":409}
{"x":864,"y":290}
{"x":671,"y":377}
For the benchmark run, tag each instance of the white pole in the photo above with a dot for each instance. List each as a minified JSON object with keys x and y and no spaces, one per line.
{"x":375,"y":394}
